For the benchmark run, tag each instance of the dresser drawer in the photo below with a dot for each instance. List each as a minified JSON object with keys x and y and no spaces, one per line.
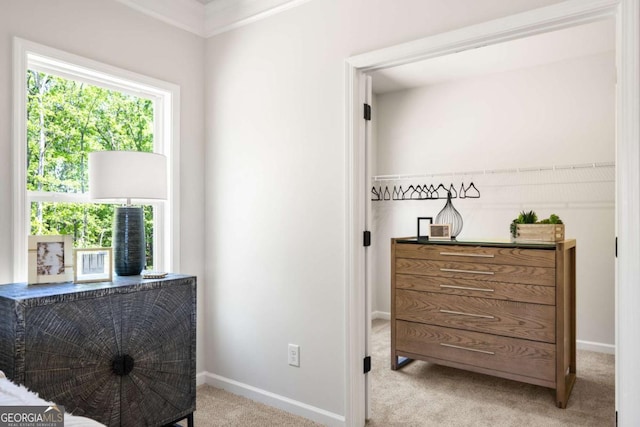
{"x":469,"y":287}
{"x":543,"y":276}
{"x":482,"y":255}
{"x":510,"y":355}
{"x":506,"y":318}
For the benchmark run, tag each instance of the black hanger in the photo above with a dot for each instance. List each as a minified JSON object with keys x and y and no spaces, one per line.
{"x":444,"y":190}
{"x":433,"y":193}
{"x":475,"y":194}
{"x":415,"y":194}
{"x":386,"y":195}
{"x":376,"y":195}
{"x":396,"y":193}
{"x":462,"y":194}
{"x":424,"y":192}
{"x":453,"y":191}
{"x":408,"y":190}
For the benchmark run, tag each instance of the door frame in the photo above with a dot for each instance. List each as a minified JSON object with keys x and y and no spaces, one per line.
{"x":627,"y":293}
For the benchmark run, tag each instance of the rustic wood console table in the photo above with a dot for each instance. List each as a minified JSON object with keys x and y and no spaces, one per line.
{"x":121,"y":352}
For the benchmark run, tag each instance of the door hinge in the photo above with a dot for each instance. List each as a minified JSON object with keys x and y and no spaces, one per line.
{"x":366,"y":238}
{"x":367,"y":112}
{"x":616,"y":247}
{"x":367,"y":364}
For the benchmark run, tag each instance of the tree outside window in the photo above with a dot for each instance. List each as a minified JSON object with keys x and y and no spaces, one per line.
{"x":67,"y":119}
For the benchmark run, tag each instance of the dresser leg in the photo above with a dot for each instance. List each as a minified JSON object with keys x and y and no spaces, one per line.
{"x":400,"y":361}
{"x":190,"y":420}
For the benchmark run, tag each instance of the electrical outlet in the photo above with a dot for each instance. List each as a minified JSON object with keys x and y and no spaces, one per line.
{"x":294,"y":355}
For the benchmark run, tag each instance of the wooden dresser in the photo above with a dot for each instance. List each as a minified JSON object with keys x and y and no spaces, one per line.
{"x":502,"y":309}
{"x":121,"y":352}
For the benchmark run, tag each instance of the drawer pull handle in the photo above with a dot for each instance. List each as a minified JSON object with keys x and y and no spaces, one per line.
{"x":455,"y":270}
{"x":465,"y":288}
{"x":484,"y":316}
{"x":467,"y":348}
{"x":468,"y":255}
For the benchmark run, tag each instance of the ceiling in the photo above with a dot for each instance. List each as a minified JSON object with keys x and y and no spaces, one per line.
{"x":574,"y":42}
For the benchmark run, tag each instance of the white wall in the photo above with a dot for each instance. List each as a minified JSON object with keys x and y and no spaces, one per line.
{"x":275,"y":185}
{"x":112,"y":33}
{"x":556,"y":114}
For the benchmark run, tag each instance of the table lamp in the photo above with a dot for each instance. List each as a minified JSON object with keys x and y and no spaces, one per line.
{"x":128,"y":175}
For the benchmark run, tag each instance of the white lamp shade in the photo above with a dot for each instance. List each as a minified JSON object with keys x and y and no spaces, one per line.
{"x":127,"y":175}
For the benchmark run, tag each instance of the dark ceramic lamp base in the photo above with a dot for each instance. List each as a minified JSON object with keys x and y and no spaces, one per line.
{"x":128,"y":241}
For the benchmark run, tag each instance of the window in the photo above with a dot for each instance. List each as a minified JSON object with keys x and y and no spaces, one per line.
{"x":67,"y":106}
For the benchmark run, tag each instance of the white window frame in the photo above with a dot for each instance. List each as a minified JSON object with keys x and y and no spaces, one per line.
{"x":166,"y":98}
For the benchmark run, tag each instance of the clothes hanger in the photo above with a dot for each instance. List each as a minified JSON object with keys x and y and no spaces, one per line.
{"x":453,"y":191}
{"x":386,"y":195}
{"x":396,"y":193}
{"x":444,"y":189}
{"x":415,"y":194}
{"x":409,"y":190}
{"x":433,"y":193}
{"x":475,"y":193}
{"x":376,"y":195}
{"x":424,"y":192}
{"x":462,"y":194}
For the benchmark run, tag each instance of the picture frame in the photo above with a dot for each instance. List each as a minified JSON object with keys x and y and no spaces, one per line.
{"x":423,"y":227}
{"x":440,"y":231}
{"x":93,"y":265}
{"x":50,"y":259}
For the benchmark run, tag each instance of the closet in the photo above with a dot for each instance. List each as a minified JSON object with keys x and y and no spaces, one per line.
{"x":525,"y":125}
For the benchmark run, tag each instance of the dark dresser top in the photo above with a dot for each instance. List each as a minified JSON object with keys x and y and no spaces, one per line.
{"x":22,"y":292}
{"x":490,"y":243}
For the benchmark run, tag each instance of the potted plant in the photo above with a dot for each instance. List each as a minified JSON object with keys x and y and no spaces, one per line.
{"x":527,"y":228}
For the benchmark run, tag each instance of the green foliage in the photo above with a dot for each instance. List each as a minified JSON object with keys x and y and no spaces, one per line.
{"x":531,"y":218}
{"x":527,"y":217}
{"x":66,"y":120}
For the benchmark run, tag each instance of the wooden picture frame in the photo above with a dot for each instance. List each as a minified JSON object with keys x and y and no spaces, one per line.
{"x":92,"y":265}
{"x":50,"y":259}
{"x":440,"y":231}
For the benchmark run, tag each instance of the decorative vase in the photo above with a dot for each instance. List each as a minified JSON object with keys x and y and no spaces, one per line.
{"x":449,"y":215}
{"x":128,"y":241}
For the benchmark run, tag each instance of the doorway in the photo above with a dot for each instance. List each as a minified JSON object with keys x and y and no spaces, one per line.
{"x":522,"y":125}
{"x":490,"y":33}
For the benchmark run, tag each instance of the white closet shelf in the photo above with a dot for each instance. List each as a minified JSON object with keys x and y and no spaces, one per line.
{"x":497,"y":171}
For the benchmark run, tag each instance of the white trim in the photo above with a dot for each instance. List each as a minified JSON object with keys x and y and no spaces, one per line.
{"x":275,"y":400}
{"x":185,"y":14}
{"x":561,"y":15}
{"x":201,"y":378}
{"x":598,"y":347}
{"x":225,"y":15}
{"x":20,"y":229}
{"x":214,"y":18}
{"x":384,"y":315}
{"x":555,"y":17}
{"x":166,"y":97}
{"x":355,"y":331}
{"x":628,"y":213}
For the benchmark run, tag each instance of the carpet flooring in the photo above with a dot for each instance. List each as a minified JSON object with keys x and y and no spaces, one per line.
{"x":424,"y":394}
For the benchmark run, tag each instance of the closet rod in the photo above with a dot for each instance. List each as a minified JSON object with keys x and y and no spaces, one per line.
{"x":496,"y":171}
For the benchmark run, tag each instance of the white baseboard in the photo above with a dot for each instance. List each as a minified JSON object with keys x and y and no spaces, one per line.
{"x":580,"y":344}
{"x":201,"y":378}
{"x":380,"y":315}
{"x":268,"y":398}
{"x":596,"y":346}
